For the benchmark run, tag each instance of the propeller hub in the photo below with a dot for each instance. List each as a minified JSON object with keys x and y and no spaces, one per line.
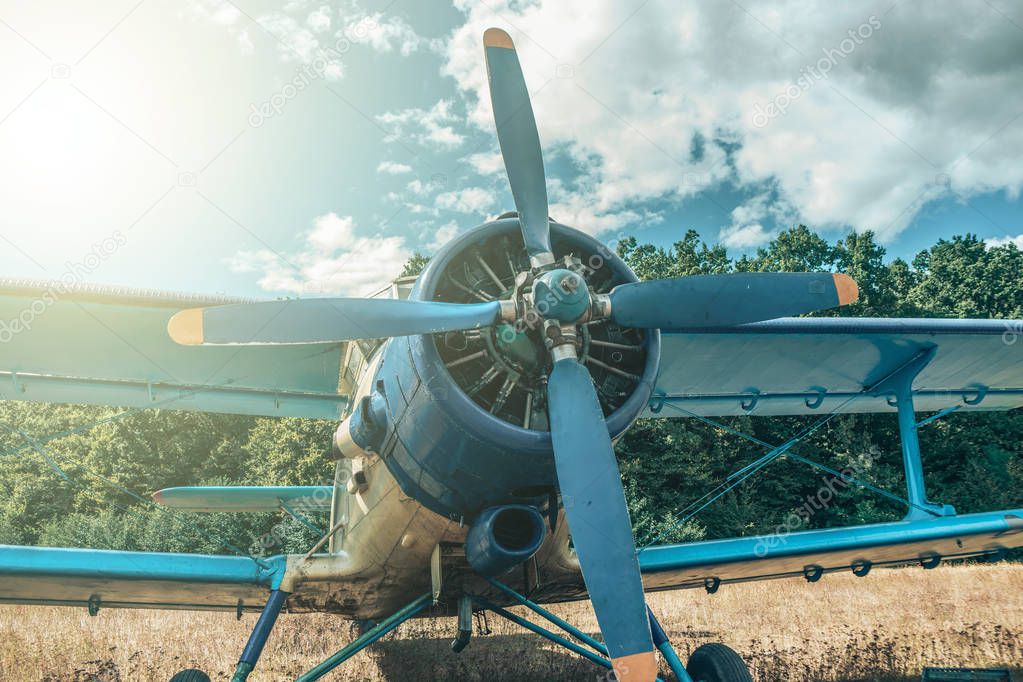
{"x":561,"y":295}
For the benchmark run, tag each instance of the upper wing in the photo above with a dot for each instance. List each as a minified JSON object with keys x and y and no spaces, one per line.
{"x":815,"y":365}
{"x":110,"y":346}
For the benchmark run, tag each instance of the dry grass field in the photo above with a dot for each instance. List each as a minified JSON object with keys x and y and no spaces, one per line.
{"x":886,"y":626}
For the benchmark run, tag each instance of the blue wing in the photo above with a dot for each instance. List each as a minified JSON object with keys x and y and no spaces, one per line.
{"x":817,"y":365}
{"x":155,"y":580}
{"x":110,"y":347}
{"x":784,"y":555}
{"x":76,"y":577}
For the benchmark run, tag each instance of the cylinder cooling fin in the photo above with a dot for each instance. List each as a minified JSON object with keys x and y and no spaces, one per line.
{"x":504,"y":368}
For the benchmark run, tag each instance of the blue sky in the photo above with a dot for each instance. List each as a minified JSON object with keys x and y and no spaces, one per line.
{"x":308,"y":148}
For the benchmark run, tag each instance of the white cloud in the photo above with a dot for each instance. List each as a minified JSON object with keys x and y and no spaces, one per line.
{"x":305,"y":36}
{"x":442,"y":236}
{"x":319,"y":20}
{"x":335,"y":261}
{"x":468,"y":200}
{"x":332,"y":232}
{"x":744,"y":236}
{"x":1004,"y":241}
{"x":917,"y":108}
{"x":392,"y":168}
{"x":431,"y":127}
{"x":487,"y":164}
{"x":384,"y":34}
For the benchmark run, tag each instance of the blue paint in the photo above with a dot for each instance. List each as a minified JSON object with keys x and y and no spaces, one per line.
{"x":899,"y":385}
{"x":367,"y":638}
{"x":817,"y":543}
{"x":663,"y":645}
{"x":486,"y":547}
{"x":108,"y":565}
{"x":244,"y":498}
{"x":543,"y":632}
{"x":260,"y":633}
{"x":807,"y":365}
{"x":123,"y":356}
{"x":560,"y":622}
{"x":444,"y":449}
{"x":597,"y":513}
{"x":706,"y":302}
{"x":330,"y":320}
{"x":520,"y":145}
{"x":938,"y":415}
{"x":561,"y":295}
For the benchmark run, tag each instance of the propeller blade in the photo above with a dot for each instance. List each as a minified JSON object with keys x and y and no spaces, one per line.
{"x":325,"y":320}
{"x":705,"y":301}
{"x":591,"y":489}
{"x":520,"y":143}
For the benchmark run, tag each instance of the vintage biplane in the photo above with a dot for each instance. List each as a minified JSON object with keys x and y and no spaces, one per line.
{"x":479,"y":406}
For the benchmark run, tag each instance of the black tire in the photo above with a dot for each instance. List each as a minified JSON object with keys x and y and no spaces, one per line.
{"x":717,"y":663}
{"x":190,"y":675}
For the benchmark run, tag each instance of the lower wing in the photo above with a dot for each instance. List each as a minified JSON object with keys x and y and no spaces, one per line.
{"x":812,"y":553}
{"x":153,"y":580}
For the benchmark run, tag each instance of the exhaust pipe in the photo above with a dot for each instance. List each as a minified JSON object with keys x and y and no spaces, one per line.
{"x":503,"y":537}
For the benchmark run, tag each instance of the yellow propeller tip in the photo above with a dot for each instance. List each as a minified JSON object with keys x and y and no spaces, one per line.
{"x":495,"y":37}
{"x":641,"y":667}
{"x":185,"y":327}
{"x":848,"y":290}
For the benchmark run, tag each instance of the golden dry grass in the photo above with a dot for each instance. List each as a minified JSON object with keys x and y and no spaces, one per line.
{"x":883,"y":627}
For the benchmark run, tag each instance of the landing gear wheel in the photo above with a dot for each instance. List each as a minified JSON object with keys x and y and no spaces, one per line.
{"x":717,"y":663}
{"x":190,"y":675}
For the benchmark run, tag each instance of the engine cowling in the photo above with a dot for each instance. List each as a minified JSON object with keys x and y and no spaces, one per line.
{"x":465,"y":412}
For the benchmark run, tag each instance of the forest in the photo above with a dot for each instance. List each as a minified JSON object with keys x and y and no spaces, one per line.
{"x":73,"y":475}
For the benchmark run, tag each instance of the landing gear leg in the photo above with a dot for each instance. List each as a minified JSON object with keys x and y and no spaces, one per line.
{"x":257,"y":640}
{"x":667,"y":651}
{"x":363,"y":641}
{"x":464,"y":624}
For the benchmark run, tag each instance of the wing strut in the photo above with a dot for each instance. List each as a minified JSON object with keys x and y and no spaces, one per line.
{"x":260,"y":633}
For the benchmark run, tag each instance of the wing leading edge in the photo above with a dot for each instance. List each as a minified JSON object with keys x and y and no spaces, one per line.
{"x":814,"y":552}
{"x":104,"y":578}
{"x":57,"y":576}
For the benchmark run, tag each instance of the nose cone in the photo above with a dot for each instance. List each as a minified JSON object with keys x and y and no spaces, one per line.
{"x":561,"y":295}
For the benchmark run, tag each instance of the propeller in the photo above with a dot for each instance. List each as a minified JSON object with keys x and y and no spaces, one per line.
{"x":326,"y":320}
{"x":591,"y":491}
{"x":587,"y":471}
{"x":707,"y":301}
{"x":520,"y":143}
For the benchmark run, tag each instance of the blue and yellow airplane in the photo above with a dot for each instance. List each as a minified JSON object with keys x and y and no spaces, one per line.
{"x":479,"y":406}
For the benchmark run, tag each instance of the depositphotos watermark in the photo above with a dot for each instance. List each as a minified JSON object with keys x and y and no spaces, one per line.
{"x":303,"y":508}
{"x":1013,"y":330}
{"x":819,"y":501}
{"x":324,"y":64}
{"x":814,"y":73}
{"x":74,"y":274}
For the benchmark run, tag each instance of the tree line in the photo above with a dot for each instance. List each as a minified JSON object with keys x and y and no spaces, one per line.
{"x":73,"y":475}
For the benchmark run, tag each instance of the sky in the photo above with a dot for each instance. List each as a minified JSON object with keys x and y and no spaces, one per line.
{"x":309,"y":148}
